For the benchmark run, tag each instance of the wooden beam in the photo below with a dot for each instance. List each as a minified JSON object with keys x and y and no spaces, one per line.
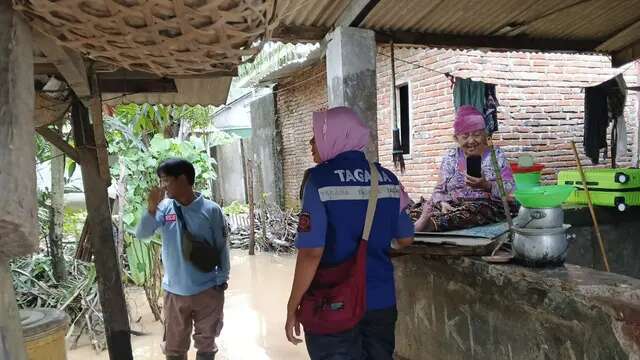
{"x":622,"y":37}
{"x":46,"y":69}
{"x":95,"y":109}
{"x":486,"y":42}
{"x":69,"y":63}
{"x":111,"y":294}
{"x":48,"y":111}
{"x":55,"y":140}
{"x":130,"y":86}
{"x":355,"y":13}
{"x":626,"y":55}
{"x":286,"y":33}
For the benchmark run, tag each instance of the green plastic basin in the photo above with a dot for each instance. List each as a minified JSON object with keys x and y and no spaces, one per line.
{"x":543,"y":196}
{"x":527,"y":180}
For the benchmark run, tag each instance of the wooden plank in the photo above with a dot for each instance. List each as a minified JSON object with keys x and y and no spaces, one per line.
{"x":55,"y":139}
{"x":626,"y":55}
{"x":95,"y":108}
{"x":112,"y":300}
{"x":18,"y":218}
{"x":355,"y":13}
{"x":285,"y":33}
{"x":69,"y":63}
{"x":485,"y":42}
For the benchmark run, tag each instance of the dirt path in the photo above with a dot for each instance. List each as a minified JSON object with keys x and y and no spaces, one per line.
{"x":254,"y":315}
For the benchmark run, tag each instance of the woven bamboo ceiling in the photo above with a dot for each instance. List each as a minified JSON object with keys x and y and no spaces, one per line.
{"x":165,"y":37}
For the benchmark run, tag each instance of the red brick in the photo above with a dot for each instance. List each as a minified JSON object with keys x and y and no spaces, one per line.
{"x":537,"y":116}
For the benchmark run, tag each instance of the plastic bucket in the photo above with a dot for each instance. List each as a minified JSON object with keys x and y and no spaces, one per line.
{"x":527,"y":180}
{"x":44,"y":332}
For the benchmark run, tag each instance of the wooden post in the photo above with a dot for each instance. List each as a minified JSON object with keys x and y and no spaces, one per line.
{"x":252,"y":212}
{"x":56,"y":212}
{"x":98,"y":127}
{"x":262,"y":203}
{"x":11,"y":340}
{"x":18,"y":218}
{"x":112,"y":300}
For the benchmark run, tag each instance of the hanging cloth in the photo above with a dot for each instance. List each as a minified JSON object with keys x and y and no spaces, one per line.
{"x":480,"y":95}
{"x":621,"y":139}
{"x":491,"y":108}
{"x":603,"y":104}
{"x":468,"y":92}
{"x":595,"y":122}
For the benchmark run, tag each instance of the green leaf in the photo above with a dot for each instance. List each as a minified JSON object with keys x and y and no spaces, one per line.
{"x":129,"y":219}
{"x":160,"y":144}
{"x":71,"y":169}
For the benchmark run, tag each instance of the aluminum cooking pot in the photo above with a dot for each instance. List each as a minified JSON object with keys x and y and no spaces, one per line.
{"x":541,"y":247}
{"x":532,"y":218}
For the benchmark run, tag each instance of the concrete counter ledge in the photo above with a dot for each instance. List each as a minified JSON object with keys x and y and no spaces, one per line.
{"x":463,"y":308}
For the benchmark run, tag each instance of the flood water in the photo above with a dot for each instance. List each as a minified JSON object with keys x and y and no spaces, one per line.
{"x":255,"y":311}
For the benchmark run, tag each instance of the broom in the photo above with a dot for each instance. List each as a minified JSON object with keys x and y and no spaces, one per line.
{"x":398,"y":158}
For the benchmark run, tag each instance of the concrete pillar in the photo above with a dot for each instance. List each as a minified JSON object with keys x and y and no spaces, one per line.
{"x":351,"y":76}
{"x":265,"y":147}
{"x":18,"y":218}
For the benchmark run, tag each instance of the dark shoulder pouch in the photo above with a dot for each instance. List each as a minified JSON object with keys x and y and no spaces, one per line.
{"x":197,"y":251}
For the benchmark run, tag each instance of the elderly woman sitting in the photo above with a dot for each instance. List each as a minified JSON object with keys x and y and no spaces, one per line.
{"x":461,"y":201}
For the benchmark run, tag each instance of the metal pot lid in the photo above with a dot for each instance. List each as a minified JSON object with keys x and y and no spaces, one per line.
{"x":547,"y":231}
{"x":38,"y":321}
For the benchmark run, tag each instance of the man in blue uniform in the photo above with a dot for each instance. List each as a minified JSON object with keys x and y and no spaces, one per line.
{"x":331,"y":223}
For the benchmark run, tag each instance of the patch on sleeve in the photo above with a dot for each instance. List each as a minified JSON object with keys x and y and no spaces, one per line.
{"x":304,"y":222}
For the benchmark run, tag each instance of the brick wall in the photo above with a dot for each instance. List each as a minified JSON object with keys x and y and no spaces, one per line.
{"x":541,"y":110}
{"x":300,"y":95}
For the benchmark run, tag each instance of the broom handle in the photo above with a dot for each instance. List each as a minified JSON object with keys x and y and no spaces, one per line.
{"x":591,"y":209}
{"x":503,"y":194}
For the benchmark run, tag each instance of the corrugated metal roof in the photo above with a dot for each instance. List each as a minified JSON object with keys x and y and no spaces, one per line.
{"x":319,"y":13}
{"x":589,"y":20}
{"x":190,"y":92}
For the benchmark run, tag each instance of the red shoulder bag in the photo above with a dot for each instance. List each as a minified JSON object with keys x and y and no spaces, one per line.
{"x":336,"y":300}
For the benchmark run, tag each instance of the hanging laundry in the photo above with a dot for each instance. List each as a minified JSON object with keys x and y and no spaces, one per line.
{"x":621,"y":139}
{"x":468,"y":92}
{"x":491,"y":108}
{"x":596,"y":120}
{"x":480,"y":95}
{"x":602,"y":105}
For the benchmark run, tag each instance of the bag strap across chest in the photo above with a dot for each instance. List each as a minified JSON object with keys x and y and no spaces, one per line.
{"x":373,"y":201}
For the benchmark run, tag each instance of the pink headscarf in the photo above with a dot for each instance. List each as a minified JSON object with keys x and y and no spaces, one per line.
{"x":337,"y":130}
{"x":468,"y":119}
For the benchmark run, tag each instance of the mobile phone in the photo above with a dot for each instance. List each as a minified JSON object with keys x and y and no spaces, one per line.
{"x":474,"y":166}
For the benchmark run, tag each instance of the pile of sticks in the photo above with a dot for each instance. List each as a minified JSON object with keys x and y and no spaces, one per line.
{"x":275,"y":230}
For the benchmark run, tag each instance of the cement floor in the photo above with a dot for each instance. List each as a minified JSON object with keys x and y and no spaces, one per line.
{"x":254,"y":315}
